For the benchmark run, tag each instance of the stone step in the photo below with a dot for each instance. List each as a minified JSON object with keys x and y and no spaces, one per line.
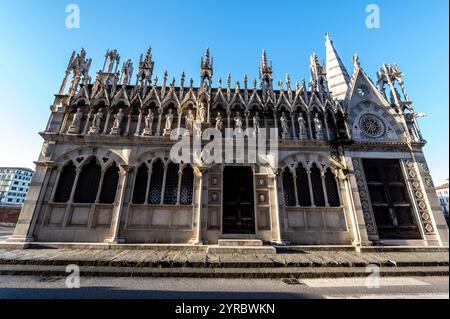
{"x":240,"y":242}
{"x":245,"y":250}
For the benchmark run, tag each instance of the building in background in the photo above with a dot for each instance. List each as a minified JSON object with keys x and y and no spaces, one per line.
{"x":442,"y":193}
{"x":14,"y":184}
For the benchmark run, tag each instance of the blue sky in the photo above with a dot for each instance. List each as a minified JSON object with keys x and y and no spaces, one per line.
{"x":35,"y":47}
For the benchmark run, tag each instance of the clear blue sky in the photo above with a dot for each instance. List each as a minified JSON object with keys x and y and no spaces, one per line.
{"x":35,"y":46}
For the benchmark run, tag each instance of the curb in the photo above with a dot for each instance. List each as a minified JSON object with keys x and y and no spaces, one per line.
{"x":300,"y":273}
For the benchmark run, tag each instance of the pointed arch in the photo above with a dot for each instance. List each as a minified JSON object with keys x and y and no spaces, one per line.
{"x":88,"y":181}
{"x":65,"y":183}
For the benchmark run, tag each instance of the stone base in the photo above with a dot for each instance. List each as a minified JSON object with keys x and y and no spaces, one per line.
{"x":115,"y":131}
{"x":167,"y":132}
{"x":73,"y":130}
{"x":302,"y":137}
{"x":147,"y":132}
{"x":94,"y":130}
{"x":285,"y":136}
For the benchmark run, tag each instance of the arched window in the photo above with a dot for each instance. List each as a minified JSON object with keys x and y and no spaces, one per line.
{"x":140,"y":185}
{"x":187,"y":186}
{"x":332,"y":189}
{"x":87,"y":187}
{"x":65,"y":183}
{"x":109,"y":186}
{"x":316,"y":181}
{"x":171,"y":190}
{"x":156,"y":180}
{"x":288,"y":188}
{"x":304,"y":196}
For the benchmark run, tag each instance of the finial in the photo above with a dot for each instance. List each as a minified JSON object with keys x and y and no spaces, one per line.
{"x":155,"y":81}
{"x":356,"y":62}
{"x":219,"y":82}
{"x":264,"y":58}
{"x":148,"y":57}
{"x":245,"y":79}
{"x":229,"y":80}
{"x":191,"y":83}
{"x":183,"y":76}
{"x":254,"y":84}
{"x":172,"y":84}
{"x":288,"y":80}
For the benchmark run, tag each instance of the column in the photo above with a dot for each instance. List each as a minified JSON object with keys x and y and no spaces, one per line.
{"x":326,"y":126}
{"x":138,"y":125}
{"x":308,"y":119}
{"x":325,"y":195}
{"x":294,"y":134}
{"x":294,"y":176}
{"x":86,"y":125}
{"x":180,"y":176}
{"x":311,"y":193}
{"x":163,"y":188}
{"x":28,"y":216}
{"x":118,"y":208}
{"x":198,"y":189}
{"x":127,"y":129}
{"x":108,"y":116}
{"x":276,"y":210}
{"x":64,"y":122}
{"x":72,"y":195}
{"x":158,"y":127}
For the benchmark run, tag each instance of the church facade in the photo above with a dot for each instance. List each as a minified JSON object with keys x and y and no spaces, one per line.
{"x":339,"y":159}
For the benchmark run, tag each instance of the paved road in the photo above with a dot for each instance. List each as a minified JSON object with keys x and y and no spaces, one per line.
{"x":186,"y":288}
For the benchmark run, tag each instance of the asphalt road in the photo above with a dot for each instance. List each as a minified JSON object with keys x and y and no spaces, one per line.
{"x":186,"y":288}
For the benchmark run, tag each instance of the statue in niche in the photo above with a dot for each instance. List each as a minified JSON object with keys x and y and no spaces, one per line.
{"x":168,"y":125}
{"x":238,"y":122}
{"x":284,"y":126}
{"x":148,"y":123}
{"x":219,"y":122}
{"x":96,"y":122}
{"x":302,"y":127}
{"x":76,"y":122}
{"x":197,"y":128}
{"x":256,"y":125}
{"x":117,"y":121}
{"x":189,"y":122}
{"x":318,"y":127}
{"x":202,"y":113}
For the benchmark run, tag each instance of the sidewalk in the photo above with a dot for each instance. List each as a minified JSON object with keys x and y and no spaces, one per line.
{"x":182,"y":263}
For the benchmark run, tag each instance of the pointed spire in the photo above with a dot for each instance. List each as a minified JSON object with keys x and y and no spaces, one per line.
{"x":337,"y":75}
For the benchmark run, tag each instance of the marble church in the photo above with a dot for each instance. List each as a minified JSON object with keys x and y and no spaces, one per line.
{"x":349,"y":169}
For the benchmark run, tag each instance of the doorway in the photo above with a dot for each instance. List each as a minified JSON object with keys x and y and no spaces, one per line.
{"x":390,"y":200}
{"x":238,"y":201}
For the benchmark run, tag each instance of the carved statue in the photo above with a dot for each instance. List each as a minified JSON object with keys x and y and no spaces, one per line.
{"x":127,"y":72}
{"x":76,"y":122}
{"x":318,"y":127}
{"x":202,"y":113}
{"x":96,"y":122}
{"x":189,"y":122}
{"x":219,"y":122}
{"x":256,"y":125}
{"x":197,"y":128}
{"x":117,"y":121}
{"x":302,"y":127}
{"x":238,"y":122}
{"x":169,"y":120}
{"x":284,"y":125}
{"x":148,"y":123}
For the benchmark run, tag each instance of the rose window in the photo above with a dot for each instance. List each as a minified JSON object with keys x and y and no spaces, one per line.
{"x":372,"y":126}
